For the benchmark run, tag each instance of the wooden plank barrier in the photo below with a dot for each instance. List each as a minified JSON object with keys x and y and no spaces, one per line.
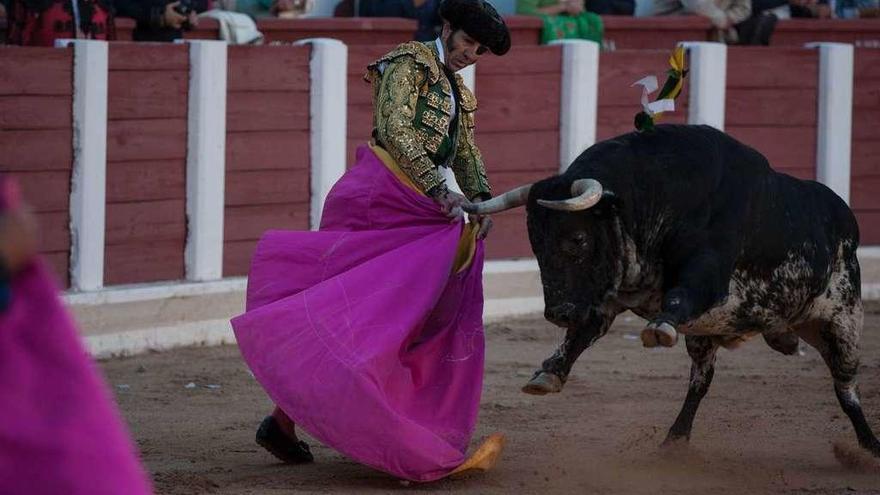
{"x":517,"y":131}
{"x":798,"y":32}
{"x":360,"y":96}
{"x":351,"y":31}
{"x":267,"y":148}
{"x":625,"y":33}
{"x":146,"y":163}
{"x":865,"y":179}
{"x":775,"y":110}
{"x":36,"y":141}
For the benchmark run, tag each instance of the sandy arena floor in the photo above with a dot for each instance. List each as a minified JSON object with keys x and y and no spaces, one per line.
{"x":766,"y":426}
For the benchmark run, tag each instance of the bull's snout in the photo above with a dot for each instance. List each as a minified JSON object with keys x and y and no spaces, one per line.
{"x":561,"y":315}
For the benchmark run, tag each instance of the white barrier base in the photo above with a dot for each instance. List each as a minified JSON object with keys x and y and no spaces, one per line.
{"x":512,"y":289}
{"x":131,"y":342}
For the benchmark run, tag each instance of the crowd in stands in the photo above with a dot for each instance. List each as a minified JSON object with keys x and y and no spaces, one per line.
{"x":41,"y":22}
{"x":747,"y":22}
{"x":426,"y":12}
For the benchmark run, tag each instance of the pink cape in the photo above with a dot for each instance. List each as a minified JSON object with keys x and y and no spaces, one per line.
{"x":362,"y":333}
{"x":59,"y":430}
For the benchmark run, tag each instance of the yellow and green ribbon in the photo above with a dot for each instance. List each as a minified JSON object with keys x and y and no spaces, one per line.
{"x":665,"y":102}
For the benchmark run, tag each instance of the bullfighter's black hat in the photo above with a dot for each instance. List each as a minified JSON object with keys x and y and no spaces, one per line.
{"x":480,"y":20}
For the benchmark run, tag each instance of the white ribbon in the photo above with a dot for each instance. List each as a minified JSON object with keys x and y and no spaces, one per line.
{"x":649,"y":85}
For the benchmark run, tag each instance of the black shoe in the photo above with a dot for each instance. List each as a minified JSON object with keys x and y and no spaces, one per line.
{"x":272,"y":438}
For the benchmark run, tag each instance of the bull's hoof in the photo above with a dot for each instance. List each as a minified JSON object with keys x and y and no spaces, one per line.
{"x":675,"y":442}
{"x":662,"y":334}
{"x":649,"y":340}
{"x":543,"y":383}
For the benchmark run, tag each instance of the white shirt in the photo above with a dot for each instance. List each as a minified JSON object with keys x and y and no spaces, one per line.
{"x":440,"y":50}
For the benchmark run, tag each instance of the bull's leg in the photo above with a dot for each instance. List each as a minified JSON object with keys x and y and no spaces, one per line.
{"x":838,"y":344}
{"x":698,"y":285}
{"x":555,"y":369}
{"x":702,"y":352}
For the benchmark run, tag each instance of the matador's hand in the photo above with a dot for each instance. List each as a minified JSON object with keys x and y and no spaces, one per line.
{"x":450,"y":202}
{"x":484,"y":221}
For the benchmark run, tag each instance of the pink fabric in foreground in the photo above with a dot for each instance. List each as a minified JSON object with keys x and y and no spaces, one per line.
{"x":59,"y":430}
{"x":362,"y":334}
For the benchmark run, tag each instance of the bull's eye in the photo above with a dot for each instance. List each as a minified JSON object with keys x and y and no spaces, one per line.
{"x":575,"y":245}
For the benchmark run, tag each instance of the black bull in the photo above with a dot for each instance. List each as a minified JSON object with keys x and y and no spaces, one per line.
{"x":694,"y":231}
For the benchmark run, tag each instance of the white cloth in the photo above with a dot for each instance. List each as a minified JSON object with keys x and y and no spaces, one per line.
{"x":439,"y":43}
{"x":236,"y":28}
{"x":649,"y":85}
{"x":451,"y":183}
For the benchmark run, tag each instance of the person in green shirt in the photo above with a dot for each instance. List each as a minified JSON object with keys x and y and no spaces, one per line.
{"x":563,"y":19}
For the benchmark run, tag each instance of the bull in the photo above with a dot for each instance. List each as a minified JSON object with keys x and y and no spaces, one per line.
{"x":696,"y":233}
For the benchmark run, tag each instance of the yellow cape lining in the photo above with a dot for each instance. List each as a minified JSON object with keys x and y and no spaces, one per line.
{"x":467,"y":243}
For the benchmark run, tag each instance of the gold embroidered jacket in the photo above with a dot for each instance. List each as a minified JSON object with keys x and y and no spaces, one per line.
{"x":412,"y":118}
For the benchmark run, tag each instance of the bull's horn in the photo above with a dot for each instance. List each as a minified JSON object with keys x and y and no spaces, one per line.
{"x":506,"y":201}
{"x":585,"y":194}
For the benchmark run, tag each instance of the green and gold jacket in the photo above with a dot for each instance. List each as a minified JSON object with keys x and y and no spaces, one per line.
{"x":412,"y":118}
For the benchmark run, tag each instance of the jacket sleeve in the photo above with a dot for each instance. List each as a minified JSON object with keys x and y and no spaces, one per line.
{"x":395,"y":110}
{"x":468,"y":164}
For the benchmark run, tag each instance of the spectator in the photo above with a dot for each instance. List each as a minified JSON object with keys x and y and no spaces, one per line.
{"x":757,"y":29}
{"x":725,"y":15}
{"x":779,"y":8}
{"x":255,"y":8}
{"x":850,"y":9}
{"x":159,"y":20}
{"x":611,"y":7}
{"x":41,"y":22}
{"x":345,"y":8}
{"x":292,"y":9}
{"x":735,"y":21}
{"x":424,"y":11}
{"x":817,"y":9}
{"x":563,"y":19}
{"x":236,"y":28}
{"x":288,"y":9}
